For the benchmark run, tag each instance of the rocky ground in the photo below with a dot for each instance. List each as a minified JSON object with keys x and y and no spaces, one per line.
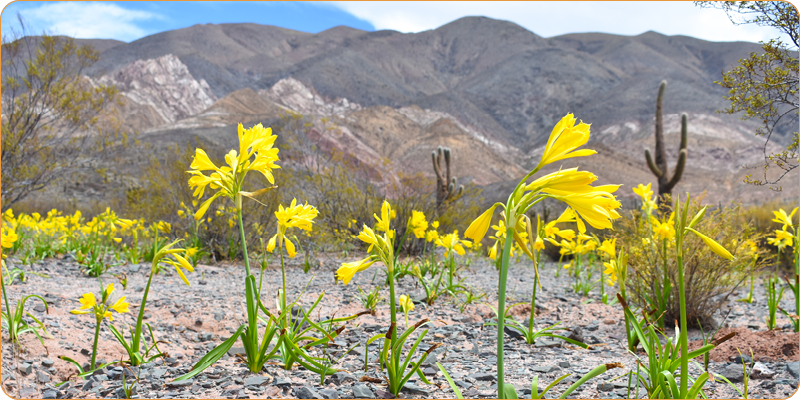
{"x":191,"y":320}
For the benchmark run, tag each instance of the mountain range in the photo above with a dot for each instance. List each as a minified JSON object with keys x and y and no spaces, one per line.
{"x":488,"y":89}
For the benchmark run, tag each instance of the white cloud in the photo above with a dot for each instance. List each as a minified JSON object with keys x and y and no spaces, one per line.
{"x":552,"y":18}
{"x":89,"y":20}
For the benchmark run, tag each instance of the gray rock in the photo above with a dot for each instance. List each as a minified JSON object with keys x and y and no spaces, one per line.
{"x":792,"y":367}
{"x":50,"y":394}
{"x":563,"y":364}
{"x":592,"y":327}
{"x":482,"y":376}
{"x":548,"y":343}
{"x":236,"y":350}
{"x":414,"y":389}
{"x":257,"y":380}
{"x":605,"y":387}
{"x":25,"y":368}
{"x":177,"y":384}
{"x":362,"y":392}
{"x":42,"y":377}
{"x":742,"y":358}
{"x":761,"y":371}
{"x":39,"y":307}
{"x":134,"y":268}
{"x":544,"y":369}
{"x":463,"y":384}
{"x":306,"y":392}
{"x":341,"y":377}
{"x":733,"y":372}
{"x":47,"y":362}
{"x":513,"y":333}
{"x":382,"y":394}
{"x":329,"y":393}
{"x":158,"y":373}
{"x":283,"y":383}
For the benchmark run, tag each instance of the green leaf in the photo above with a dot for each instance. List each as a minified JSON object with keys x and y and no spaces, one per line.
{"x":212,"y":356}
{"x":450,"y":381}
{"x":509,"y":392}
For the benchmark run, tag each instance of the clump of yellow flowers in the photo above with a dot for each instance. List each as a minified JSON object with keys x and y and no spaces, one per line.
{"x":101,"y":311}
{"x":595,"y":205}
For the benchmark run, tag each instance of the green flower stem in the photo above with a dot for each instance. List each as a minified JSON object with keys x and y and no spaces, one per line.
{"x":5,"y":295}
{"x":533,"y":297}
{"x":96,"y":336}
{"x":244,"y":244}
{"x":683,"y":337}
{"x":283,"y":293}
{"x":138,"y":332}
{"x":501,"y":311}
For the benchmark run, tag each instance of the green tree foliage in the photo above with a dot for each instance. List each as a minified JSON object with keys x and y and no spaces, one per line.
{"x":764,"y":86}
{"x":54,"y":120}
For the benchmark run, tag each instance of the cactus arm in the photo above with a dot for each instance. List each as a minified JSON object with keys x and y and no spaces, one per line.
{"x":447,"y":162}
{"x":678,"y":170}
{"x":656,"y":171}
{"x":436,"y":167}
{"x":661,"y":158}
{"x":684,"y":133}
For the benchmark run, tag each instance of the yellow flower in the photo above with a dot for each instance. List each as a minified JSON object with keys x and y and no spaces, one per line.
{"x":368,"y":236}
{"x":538,"y":245}
{"x":406,"y":303}
{"x":645,"y":192}
{"x":478,"y":228}
{"x":782,"y":218}
{"x":567,"y":266}
{"x":598,"y":206}
{"x":566,"y":137}
{"x":609,"y":247}
{"x":451,"y":243}
{"x":254,"y":142}
{"x":431,"y":235}
{"x":87,"y":301}
{"x":713,"y":245}
{"x":346,"y":272}
{"x":782,"y":239}
{"x":294,"y":216}
{"x":435,"y":224}
{"x":646,"y":241}
{"x":665,"y":229}
{"x":611,"y":267}
{"x":384,"y":221}
{"x":164,"y":227}
{"x":418,"y":224}
{"x":493,"y":251}
{"x":120,"y":306}
{"x":8,"y":238}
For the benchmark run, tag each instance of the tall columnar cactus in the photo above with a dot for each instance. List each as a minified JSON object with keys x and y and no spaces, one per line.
{"x":659,"y":167}
{"x":447,"y":188}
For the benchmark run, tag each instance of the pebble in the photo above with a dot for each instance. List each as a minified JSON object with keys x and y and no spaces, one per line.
{"x":50,"y":394}
{"x":362,"y":392}
{"x":341,"y":377}
{"x":329,"y":393}
{"x":792,"y":367}
{"x":761,"y":371}
{"x":257,"y":380}
{"x":733,"y":372}
{"x":306,"y":392}
{"x":42,"y":377}
{"x":47,"y":362}
{"x":283,"y":382}
{"x":742,"y":358}
{"x":25,"y":368}
{"x":605,"y":387}
{"x":414,"y":389}
{"x":482,"y":376}
{"x":176,"y":384}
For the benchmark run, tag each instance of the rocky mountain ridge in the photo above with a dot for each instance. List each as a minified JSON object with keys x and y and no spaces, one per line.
{"x":489,"y":89}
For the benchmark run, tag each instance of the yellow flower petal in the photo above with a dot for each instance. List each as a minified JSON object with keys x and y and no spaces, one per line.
{"x":713,"y":245}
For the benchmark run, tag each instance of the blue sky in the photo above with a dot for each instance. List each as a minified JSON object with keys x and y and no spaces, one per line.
{"x":128,"y":21}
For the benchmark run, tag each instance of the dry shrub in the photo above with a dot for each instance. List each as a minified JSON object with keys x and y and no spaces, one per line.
{"x":709,"y":279}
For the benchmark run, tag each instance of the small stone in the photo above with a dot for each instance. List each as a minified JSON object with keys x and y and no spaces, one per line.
{"x":609,"y":322}
{"x":233,"y":351}
{"x":362,"y":392}
{"x":86,"y":352}
{"x":134,"y":268}
{"x":545,"y":369}
{"x":742,"y":358}
{"x":50,"y":394}
{"x":25,"y":368}
{"x":563,"y":364}
{"x":605,"y":387}
{"x":329,"y":393}
{"x":548,"y":343}
{"x":257,"y":380}
{"x":219,"y":316}
{"x":305,"y":392}
{"x":39,"y":307}
{"x":761,"y":371}
{"x":341,"y":377}
{"x":177,"y":384}
{"x":463,"y":384}
{"x":513,"y":333}
{"x":47,"y":362}
{"x":283,"y":383}
{"x":198,"y":322}
{"x":158,"y":373}
{"x":482,"y":376}
{"x":733,"y":372}
{"x":42,"y":377}
{"x":592,"y":327}
{"x":382,"y":394}
{"x":429,"y":371}
{"x":792,"y":367}
{"x":414,"y":389}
